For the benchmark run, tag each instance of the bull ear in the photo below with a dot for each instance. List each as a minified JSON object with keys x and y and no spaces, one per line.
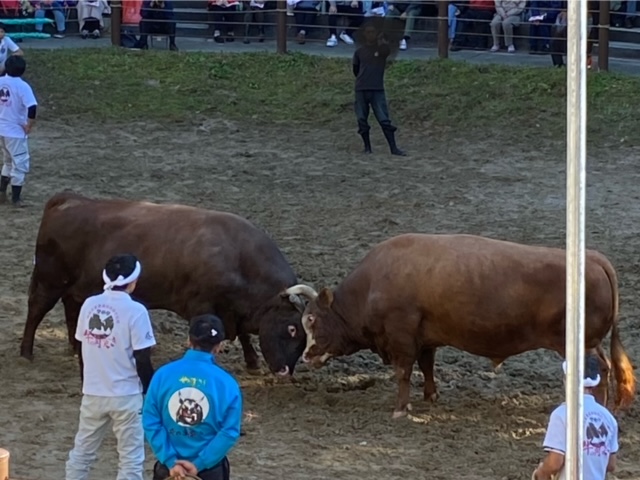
{"x":325,"y":298}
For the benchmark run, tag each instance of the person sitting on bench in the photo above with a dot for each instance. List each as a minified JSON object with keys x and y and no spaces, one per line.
{"x":157,"y":19}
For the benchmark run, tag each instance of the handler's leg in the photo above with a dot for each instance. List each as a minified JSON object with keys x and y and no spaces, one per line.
{"x":18,"y":149}
{"x":5,"y":178}
{"x":381,"y":111}
{"x":126,"y":413}
{"x":91,"y":431}
{"x":220,"y":472}
{"x":362,"y":115}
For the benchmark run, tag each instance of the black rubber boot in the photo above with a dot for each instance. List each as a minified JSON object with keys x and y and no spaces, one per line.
{"x":4,"y":185}
{"x":367,"y":142}
{"x":15,"y":195}
{"x":391,"y":140}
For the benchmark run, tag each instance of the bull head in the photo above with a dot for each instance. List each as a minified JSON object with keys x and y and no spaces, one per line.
{"x":310,"y":294}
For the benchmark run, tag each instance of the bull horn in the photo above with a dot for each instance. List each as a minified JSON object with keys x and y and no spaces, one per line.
{"x":304,"y":290}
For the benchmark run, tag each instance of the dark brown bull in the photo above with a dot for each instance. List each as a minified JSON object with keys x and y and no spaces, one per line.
{"x":194,"y":261}
{"x":414,"y":293}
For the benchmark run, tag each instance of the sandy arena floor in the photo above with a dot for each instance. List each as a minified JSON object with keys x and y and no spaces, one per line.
{"x":325,"y":205}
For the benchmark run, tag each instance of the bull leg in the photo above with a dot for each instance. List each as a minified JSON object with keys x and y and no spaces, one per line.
{"x":71,"y":314}
{"x":41,"y":301}
{"x":426,"y":361}
{"x":403,"y":368}
{"x":250,"y":355}
{"x":602,"y":390}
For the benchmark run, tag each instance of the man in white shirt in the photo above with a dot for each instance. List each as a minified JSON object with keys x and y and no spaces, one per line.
{"x":600,"y":445}
{"x":117,"y":337}
{"x":7,"y":48}
{"x":17,"y":116}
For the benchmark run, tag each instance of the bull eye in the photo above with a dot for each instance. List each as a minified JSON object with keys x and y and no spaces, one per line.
{"x":311,"y":319}
{"x":292,"y":330}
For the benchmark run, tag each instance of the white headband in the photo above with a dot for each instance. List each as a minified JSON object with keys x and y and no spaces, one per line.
{"x":588,"y":382}
{"x":120,"y":281}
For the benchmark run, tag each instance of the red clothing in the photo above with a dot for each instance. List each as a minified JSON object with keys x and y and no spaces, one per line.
{"x":482,"y":4}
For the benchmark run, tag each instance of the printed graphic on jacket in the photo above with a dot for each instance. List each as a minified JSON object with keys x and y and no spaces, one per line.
{"x":596,"y":438}
{"x":188,"y":407}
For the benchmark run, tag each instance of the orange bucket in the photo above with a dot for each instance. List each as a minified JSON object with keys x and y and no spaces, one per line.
{"x":4,"y":464}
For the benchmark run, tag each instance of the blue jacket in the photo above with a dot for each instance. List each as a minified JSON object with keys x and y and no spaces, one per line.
{"x":192,"y":411}
{"x":155,"y":13}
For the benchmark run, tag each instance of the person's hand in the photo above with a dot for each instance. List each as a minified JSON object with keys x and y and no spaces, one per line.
{"x":27,"y":128}
{"x":354,"y":4}
{"x":189,"y":467}
{"x":391,"y":8}
{"x":178,"y":471}
{"x":333,"y":9}
{"x":404,"y":15}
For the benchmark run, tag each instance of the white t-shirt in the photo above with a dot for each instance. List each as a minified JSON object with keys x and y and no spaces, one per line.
{"x":16,"y":96}
{"x":7,"y":47}
{"x":111,"y":326}
{"x":600,"y":437}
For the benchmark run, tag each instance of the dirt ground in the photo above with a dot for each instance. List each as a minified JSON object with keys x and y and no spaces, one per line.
{"x":326,"y":205}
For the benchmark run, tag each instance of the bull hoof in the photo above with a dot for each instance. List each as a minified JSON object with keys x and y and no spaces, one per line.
{"x":402,"y":413}
{"x":27,"y":356}
{"x":431,"y":397}
{"x":255,"y":371}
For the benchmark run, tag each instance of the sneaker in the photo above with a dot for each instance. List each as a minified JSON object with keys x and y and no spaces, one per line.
{"x":403,"y":44}
{"x":511,"y":49}
{"x":58,"y":35}
{"x":217,"y":37}
{"x":301,"y":37}
{"x":95,"y":34}
{"x":495,"y":48}
{"x":344,"y":36}
{"x":332,"y":41}
{"x":84,"y":34}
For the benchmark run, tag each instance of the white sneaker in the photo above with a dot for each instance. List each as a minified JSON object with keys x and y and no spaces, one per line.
{"x":403,"y":44}
{"x":495,"y":48}
{"x":332,"y":42}
{"x":511,"y":49}
{"x":346,"y":38}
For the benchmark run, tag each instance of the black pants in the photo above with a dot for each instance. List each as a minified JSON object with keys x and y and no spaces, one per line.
{"x":219,"y":472}
{"x":354,"y":18}
{"x":305,"y":18}
{"x":254,"y":16}
{"x":156,"y":27}
{"x":224,"y":15}
{"x":91,"y":24}
{"x":377,"y":100}
{"x":473,"y":28}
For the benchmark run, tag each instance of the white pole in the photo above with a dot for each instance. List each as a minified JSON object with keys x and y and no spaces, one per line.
{"x":576,"y":186}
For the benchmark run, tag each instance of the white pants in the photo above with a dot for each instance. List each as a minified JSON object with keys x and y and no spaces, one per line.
{"x":16,"y":159}
{"x":96,"y":413}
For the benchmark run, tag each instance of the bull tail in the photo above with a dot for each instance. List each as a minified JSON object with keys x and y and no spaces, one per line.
{"x":622,"y":367}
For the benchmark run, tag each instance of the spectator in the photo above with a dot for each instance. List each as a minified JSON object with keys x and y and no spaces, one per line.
{"x":559,"y":35}
{"x":354,"y":17}
{"x":508,"y":15}
{"x":56,"y":8}
{"x":474,"y":19}
{"x":157,"y":19}
{"x":305,"y":12}
{"x":90,"y":14}
{"x":407,"y":12}
{"x":373,"y":9}
{"x":631,"y":8}
{"x":255,"y":13}
{"x":452,"y":19}
{"x":7,"y":48}
{"x":223,"y":12}
{"x":545,"y":13}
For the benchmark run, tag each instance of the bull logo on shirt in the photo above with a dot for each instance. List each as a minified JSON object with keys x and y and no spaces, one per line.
{"x":5,"y":96}
{"x":596,"y":436}
{"x":188,"y":407}
{"x":99,"y":331}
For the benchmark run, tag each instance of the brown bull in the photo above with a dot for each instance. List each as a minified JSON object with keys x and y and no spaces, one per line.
{"x":414,"y":293}
{"x":194,"y":261}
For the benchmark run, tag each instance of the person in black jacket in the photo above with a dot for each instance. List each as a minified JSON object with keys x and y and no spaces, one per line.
{"x":369,"y":64}
{"x":157,"y":19}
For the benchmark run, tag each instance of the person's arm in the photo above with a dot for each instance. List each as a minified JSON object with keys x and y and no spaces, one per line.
{"x":142,"y":339}
{"x":226,"y":438}
{"x":614,"y":447}
{"x":518,"y":9}
{"x":356,"y":64}
{"x":555,"y":445}
{"x":154,"y":431}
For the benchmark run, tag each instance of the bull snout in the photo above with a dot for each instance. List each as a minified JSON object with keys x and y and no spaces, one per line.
{"x":283,"y":372}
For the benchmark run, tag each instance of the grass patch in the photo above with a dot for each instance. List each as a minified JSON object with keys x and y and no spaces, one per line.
{"x":436,"y":96}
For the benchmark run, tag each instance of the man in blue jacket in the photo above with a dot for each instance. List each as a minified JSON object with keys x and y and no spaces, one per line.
{"x":193,"y":409}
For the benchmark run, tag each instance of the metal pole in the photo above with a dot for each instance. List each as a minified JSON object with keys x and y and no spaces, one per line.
{"x":281,"y":27}
{"x":576,"y":184}
{"x":443,"y":28}
{"x":603,"y":36}
{"x":116,"y":22}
